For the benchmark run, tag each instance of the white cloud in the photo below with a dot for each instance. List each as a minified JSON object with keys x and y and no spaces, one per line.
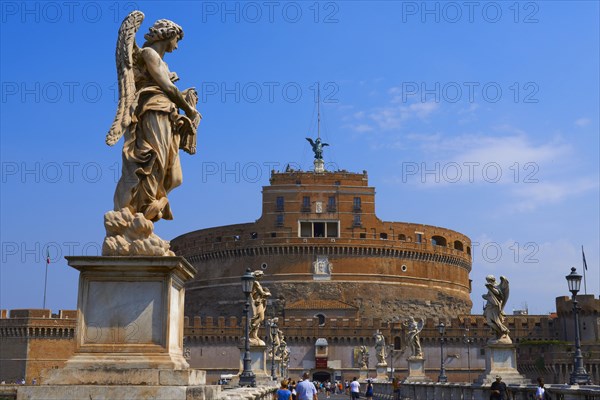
{"x":530,"y":196}
{"x":361,"y":128}
{"x":532,"y":174}
{"x":581,"y":122}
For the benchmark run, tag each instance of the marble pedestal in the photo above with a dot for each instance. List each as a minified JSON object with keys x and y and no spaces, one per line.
{"x":382,"y":374}
{"x":258,"y":354}
{"x":416,"y":370}
{"x":501,"y":359}
{"x":129,"y":335}
{"x":363,"y":374}
{"x":319,"y":166}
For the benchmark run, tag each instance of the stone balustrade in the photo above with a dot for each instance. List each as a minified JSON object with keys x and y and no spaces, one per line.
{"x":247,"y":393}
{"x":464,"y":391}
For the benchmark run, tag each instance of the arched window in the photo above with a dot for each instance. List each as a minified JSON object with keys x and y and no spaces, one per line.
{"x":321,"y":318}
{"x":458,"y":245}
{"x":468,"y":250}
{"x":438,"y":241}
{"x":402,"y":237}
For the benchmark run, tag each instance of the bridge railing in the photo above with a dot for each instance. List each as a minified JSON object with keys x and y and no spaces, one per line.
{"x":464,"y":391}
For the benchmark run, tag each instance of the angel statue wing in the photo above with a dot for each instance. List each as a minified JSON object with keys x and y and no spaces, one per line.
{"x":127,"y":51}
{"x":420,"y":324}
{"x":503,"y":286}
{"x":312,"y":144}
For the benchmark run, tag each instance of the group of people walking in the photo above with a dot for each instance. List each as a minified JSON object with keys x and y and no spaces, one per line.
{"x":308,"y":390}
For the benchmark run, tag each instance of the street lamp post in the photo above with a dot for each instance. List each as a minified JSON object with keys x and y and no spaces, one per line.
{"x":247,"y":377}
{"x":392,"y":345}
{"x":468,"y":342}
{"x":442,"y":330}
{"x":272,"y":333}
{"x":579,"y":376}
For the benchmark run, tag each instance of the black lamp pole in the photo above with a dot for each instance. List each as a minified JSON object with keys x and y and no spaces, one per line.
{"x":273,"y":330}
{"x":579,"y":376}
{"x":468,"y":342}
{"x":442,"y":329}
{"x":247,"y":377}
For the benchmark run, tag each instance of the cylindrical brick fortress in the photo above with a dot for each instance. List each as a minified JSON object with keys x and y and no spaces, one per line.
{"x":319,"y":239}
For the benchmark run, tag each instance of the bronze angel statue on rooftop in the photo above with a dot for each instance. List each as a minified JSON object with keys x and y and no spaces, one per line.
{"x":496,"y":297}
{"x":149,"y":118}
{"x":317,"y":147}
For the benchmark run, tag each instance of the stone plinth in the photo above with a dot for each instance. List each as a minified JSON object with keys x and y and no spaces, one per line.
{"x":129,"y":336}
{"x":363,"y":374}
{"x":416,"y":370}
{"x":130,"y":313}
{"x":319,"y":166}
{"x":501,"y":359}
{"x":258,"y":354}
{"x":382,"y":372}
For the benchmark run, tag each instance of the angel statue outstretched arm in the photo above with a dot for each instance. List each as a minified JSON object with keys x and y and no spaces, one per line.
{"x":149,"y":119}
{"x":496,"y":298}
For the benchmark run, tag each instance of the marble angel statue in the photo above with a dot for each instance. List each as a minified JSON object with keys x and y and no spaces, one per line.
{"x":154,"y":130}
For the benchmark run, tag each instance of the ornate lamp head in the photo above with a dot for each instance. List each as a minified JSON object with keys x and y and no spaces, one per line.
{"x":247,"y":282}
{"x":574,"y":281}
{"x":441,"y":328}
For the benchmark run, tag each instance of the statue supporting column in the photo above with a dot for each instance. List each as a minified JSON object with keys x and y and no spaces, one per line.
{"x":381,"y":367}
{"x":317,"y":148}
{"x":129,"y":336}
{"x":362,"y":357}
{"x":416,"y":362}
{"x":500,"y":352}
{"x":258,"y":348}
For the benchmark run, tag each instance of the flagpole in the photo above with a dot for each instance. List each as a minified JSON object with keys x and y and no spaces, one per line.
{"x":584,"y":269}
{"x":46,"y":277}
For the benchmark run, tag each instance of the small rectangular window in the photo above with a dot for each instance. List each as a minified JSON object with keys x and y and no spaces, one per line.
{"x":279,"y":221}
{"x":357,"y":220}
{"x":331,"y":207}
{"x":356,"y":204}
{"x":306,"y":204}
{"x":279,"y":205}
{"x":418,"y":237}
{"x":363,"y":235}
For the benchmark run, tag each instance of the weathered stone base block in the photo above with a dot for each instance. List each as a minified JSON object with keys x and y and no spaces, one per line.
{"x":501,"y":359}
{"x":112,"y":392}
{"x":258,"y":355}
{"x":363,"y":374}
{"x":126,"y":376}
{"x":129,"y":337}
{"x":382,"y":372}
{"x":416,"y":371}
{"x":130,"y":322}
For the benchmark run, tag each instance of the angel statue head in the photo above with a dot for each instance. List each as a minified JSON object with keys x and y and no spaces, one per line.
{"x":163,"y":29}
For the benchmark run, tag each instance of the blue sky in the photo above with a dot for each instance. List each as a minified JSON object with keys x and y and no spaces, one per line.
{"x":480,"y":117}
